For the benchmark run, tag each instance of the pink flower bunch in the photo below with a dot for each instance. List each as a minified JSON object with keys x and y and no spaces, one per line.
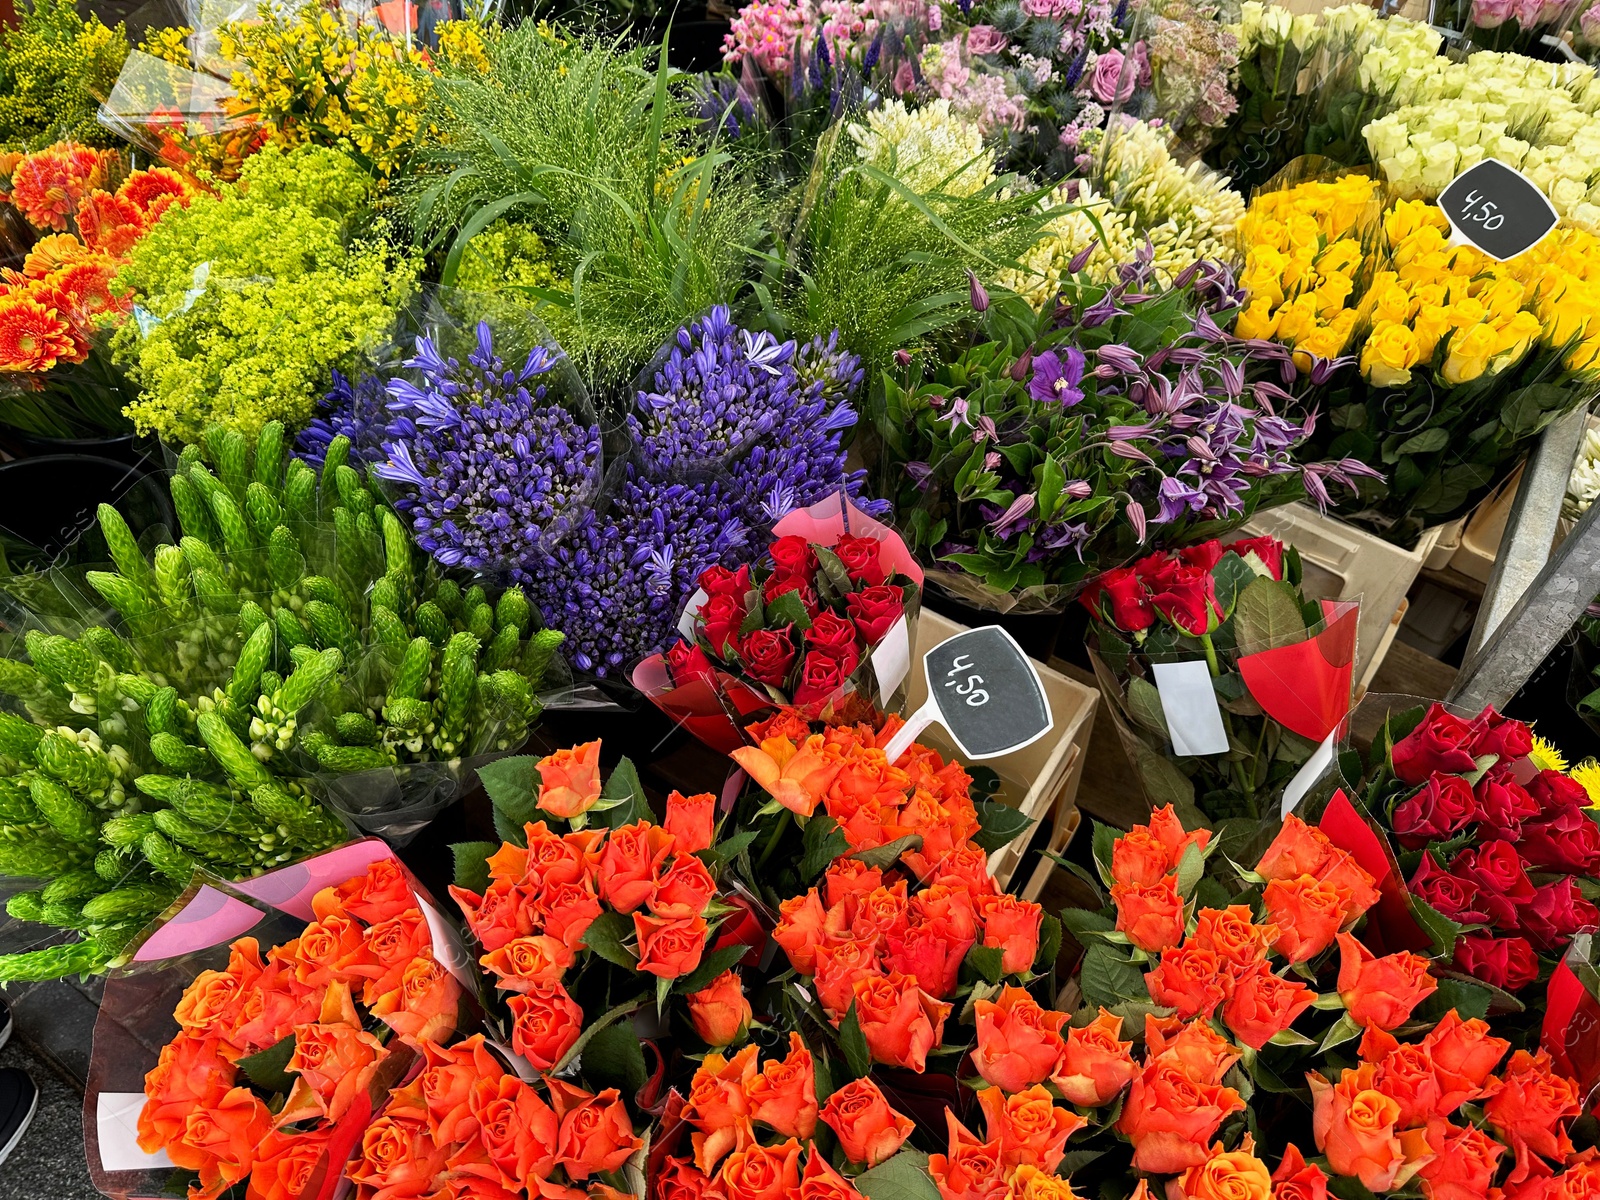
{"x":767,"y":31}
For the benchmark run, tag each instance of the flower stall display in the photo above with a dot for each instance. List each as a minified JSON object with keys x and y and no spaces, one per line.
{"x":825,"y":625}
{"x":82,"y":211}
{"x":282,"y":1053}
{"x":55,"y":65}
{"x":1278,"y":670}
{"x":1431,"y":359}
{"x":1064,"y":442}
{"x":1504,"y":848}
{"x":246,"y":300}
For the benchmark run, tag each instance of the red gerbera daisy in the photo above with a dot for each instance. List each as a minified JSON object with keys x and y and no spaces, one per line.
{"x":110,"y":223}
{"x":34,"y":337}
{"x":154,"y":189}
{"x":48,"y":187}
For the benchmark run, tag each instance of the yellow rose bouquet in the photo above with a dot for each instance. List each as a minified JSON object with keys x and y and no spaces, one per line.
{"x":1431,"y":361}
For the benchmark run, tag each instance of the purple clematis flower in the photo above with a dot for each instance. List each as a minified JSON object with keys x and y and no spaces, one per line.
{"x":1056,"y":381}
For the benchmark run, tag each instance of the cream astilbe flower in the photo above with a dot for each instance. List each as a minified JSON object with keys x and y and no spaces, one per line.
{"x":1188,"y":213}
{"x":929,"y":149}
{"x":1583,"y":486}
{"x":1083,"y":219}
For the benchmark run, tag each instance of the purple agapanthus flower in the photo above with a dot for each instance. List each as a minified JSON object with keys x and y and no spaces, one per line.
{"x":1056,"y":379}
{"x":353,"y":409}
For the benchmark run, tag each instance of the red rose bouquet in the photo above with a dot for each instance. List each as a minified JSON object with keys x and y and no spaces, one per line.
{"x":1220,"y":676}
{"x":1502,"y":849}
{"x":282,"y":1052}
{"x":825,"y":625}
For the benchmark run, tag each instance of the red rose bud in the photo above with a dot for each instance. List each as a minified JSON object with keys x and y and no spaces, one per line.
{"x":768,"y":654}
{"x":1556,"y":912}
{"x":793,"y":558}
{"x":1205,"y":556}
{"x":1505,"y":963}
{"x":686,"y":662}
{"x":780,"y":585}
{"x":1443,"y":743}
{"x":1125,"y":593}
{"x":1568,"y":841}
{"x":861,"y":559}
{"x":1494,"y":734}
{"x":1497,"y":869}
{"x":1459,"y":899}
{"x":820,"y":677}
{"x":875,"y":610}
{"x":1440,"y":807}
{"x":720,"y":618}
{"x":832,"y":635}
{"x":1268,"y":550}
{"x":1187,"y":597}
{"x":1553,"y":791}
{"x":1504,"y":804}
{"x":719,"y":581}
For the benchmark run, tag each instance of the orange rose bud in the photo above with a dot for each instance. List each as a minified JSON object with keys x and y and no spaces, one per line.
{"x":631,"y":863}
{"x":671,"y":947}
{"x":525,"y":962}
{"x":1013,"y":925}
{"x":1354,"y":1125}
{"x":759,"y":1172}
{"x":1095,"y":1065}
{"x":1464,"y":1048}
{"x":1194,"y":1047}
{"x":1028,"y":1182}
{"x":719,"y":1106}
{"x":596,"y":1132}
{"x":424,"y":1007}
{"x":1464,"y":1162}
{"x":220,"y":1141}
{"x":799,"y":930}
{"x":869,"y":1130}
{"x":1031,"y":1130}
{"x":1530,"y":1108}
{"x":1296,"y":1180}
{"x":784,"y":1096}
{"x":971,"y":1170}
{"x":691,"y":820}
{"x":1226,"y":1175}
{"x":719,"y":1012}
{"x":819,"y":1181}
{"x":1234,"y":937}
{"x":1263,"y":1004}
{"x":850,"y":877}
{"x":1151,"y":915}
{"x":1166,"y":827}
{"x":286,"y":1163}
{"x":1299,"y":849}
{"x":840,"y":966}
{"x":900,"y":1021}
{"x":1188,"y":979}
{"x":680,"y":1179}
{"x":684,"y":889}
{"x":796,"y":776}
{"x":546,"y":1023}
{"x":569,"y":780}
{"x":1307,"y":912}
{"x":1019,"y":1043}
{"x":1170,"y":1117}
{"x":1381,"y":991}
{"x":1138,"y":858}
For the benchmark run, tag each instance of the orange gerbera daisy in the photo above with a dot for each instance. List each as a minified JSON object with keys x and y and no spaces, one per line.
{"x":32,"y":336}
{"x":83,"y":290}
{"x":48,"y":187}
{"x":51,"y":253}
{"x":154,"y":189}
{"x":109,"y":223}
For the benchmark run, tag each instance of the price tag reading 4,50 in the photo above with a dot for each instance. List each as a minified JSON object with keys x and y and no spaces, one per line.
{"x":985,"y":691}
{"x":1498,"y":209}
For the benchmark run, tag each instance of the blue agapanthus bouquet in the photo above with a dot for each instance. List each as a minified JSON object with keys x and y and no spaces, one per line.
{"x":730,"y":430}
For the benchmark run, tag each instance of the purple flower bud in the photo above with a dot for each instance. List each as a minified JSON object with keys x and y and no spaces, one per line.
{"x":1129,"y":451}
{"x":1081,"y":259}
{"x":979,"y":297}
{"x":902,"y":357}
{"x":1136,"y":518}
{"x":1019,"y":369}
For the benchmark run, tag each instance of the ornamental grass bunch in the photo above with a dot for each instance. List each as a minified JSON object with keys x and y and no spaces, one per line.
{"x":1460,"y":358}
{"x":1057,"y":445}
{"x":248,"y":299}
{"x":85,"y":212}
{"x":55,"y":67}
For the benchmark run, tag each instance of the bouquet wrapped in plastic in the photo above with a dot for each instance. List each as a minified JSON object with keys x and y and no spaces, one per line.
{"x":825,"y":626}
{"x":1221,"y":678}
{"x":257,"y":1028}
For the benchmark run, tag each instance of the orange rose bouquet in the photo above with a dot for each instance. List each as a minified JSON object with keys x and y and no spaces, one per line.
{"x":81,"y":212}
{"x":282,"y":1051}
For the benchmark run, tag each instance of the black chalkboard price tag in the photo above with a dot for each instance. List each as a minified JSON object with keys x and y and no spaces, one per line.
{"x":985,"y":692}
{"x":1498,"y":209}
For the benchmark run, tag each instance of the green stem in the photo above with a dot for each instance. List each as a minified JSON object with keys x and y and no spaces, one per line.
{"x":1211,"y":656}
{"x":772,"y":841}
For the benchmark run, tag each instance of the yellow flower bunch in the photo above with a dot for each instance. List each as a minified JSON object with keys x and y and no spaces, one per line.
{"x":1329,"y":271}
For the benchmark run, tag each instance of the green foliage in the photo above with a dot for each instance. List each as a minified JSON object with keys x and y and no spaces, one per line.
{"x":55,"y":67}
{"x":256,"y":294}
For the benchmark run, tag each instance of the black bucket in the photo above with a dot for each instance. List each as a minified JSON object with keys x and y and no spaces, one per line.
{"x":48,"y":507}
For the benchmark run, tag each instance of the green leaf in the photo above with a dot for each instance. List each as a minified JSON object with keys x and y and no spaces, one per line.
{"x":508,"y":830}
{"x":472,"y":864}
{"x":1232,"y":575}
{"x":887,"y":854}
{"x":1109,"y":978}
{"x":605,"y":936}
{"x":854,"y":1044}
{"x":787,"y":609}
{"x":1267,"y":616}
{"x":1105,"y":839}
{"x":823,"y":841}
{"x":594,"y":1027}
{"x":614,"y":1058}
{"x":513,"y":787}
{"x":1339,"y":1032}
{"x":1425,"y":442}
{"x":986,"y":960}
{"x":626,"y":793}
{"x":1190,"y":867}
{"x":999,"y":824}
{"x":902,"y":1177}
{"x":1437,"y":926}
{"x":712,"y":964}
{"x":1468,"y":999}
{"x":1083,"y":920}
{"x":266,"y":1068}
{"x":1144,"y":706}
{"x":1049,"y":943}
